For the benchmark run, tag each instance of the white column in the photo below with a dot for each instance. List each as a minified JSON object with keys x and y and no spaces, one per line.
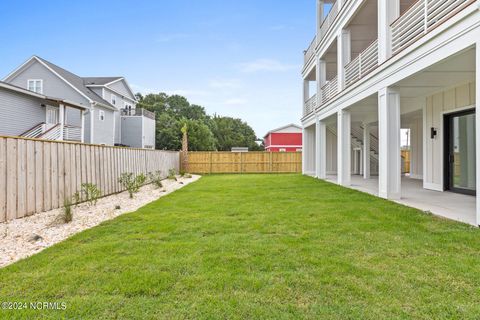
{"x":306,"y":90}
{"x":320,"y":5}
{"x":344,"y":148}
{"x":321,"y":149}
{"x":82,"y":119}
{"x":92,"y":120}
{"x":366,"y":151}
{"x":343,"y":56}
{"x":389,"y":144}
{"x":321,"y":78}
{"x":62,"y":120}
{"x":477,"y":128}
{"x":304,"y":150}
{"x":388,"y":11}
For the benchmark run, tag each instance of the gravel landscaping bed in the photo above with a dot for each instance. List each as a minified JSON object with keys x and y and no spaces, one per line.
{"x":22,"y":238}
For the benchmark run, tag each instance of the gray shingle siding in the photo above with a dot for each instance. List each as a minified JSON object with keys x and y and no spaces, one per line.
{"x":19,"y":112}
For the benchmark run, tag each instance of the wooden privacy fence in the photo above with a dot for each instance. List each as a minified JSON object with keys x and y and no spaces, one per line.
{"x":37,"y":176}
{"x":244,"y":162}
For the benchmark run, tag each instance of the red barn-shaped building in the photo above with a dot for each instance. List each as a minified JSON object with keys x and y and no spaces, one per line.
{"x":285,"y":139}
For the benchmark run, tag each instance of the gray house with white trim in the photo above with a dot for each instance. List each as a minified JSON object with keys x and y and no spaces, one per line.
{"x":107,"y":100}
{"x":33,"y":115}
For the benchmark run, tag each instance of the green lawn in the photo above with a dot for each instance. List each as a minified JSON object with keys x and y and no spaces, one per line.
{"x":258,"y":246}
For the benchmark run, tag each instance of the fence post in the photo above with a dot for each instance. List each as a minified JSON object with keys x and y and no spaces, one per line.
{"x":241,"y":162}
{"x":271,"y":162}
{"x":211,"y":162}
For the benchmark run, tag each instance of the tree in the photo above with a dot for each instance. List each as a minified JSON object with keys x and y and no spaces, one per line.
{"x":204,"y":132}
{"x":200,"y":138}
{"x":168,"y":136}
{"x":231,"y":132}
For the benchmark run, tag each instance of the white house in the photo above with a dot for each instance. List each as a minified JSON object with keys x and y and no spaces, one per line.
{"x":380,"y":66}
{"x":111,"y":117}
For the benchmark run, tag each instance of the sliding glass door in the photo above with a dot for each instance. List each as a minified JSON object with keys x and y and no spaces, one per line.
{"x":460,"y":152}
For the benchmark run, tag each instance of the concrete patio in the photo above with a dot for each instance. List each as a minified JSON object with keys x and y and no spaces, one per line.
{"x":449,"y":205}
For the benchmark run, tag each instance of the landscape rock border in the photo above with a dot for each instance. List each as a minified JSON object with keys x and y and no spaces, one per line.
{"x":24,"y":237}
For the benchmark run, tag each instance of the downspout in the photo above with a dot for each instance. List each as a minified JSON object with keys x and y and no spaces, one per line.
{"x":92,"y":119}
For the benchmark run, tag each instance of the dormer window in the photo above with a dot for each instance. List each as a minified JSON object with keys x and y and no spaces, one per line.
{"x":114,"y":99}
{"x":35,"y":85}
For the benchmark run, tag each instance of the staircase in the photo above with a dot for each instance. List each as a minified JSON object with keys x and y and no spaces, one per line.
{"x":44,"y":131}
{"x":356,"y":132}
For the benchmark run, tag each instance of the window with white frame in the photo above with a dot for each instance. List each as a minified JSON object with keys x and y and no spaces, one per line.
{"x":35,"y":85}
{"x":283,"y":150}
{"x":101,"y":115}
{"x":299,"y":149}
{"x":114,"y":99}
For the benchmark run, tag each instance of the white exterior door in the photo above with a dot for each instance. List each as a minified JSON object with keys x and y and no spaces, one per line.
{"x":52,"y":116}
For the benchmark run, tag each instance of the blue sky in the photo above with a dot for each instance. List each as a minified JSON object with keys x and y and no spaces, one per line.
{"x":239,"y":58}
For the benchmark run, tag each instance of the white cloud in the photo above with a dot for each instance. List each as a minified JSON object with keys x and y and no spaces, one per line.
{"x":266,"y":65}
{"x":236,"y":102}
{"x":225,"y":83}
{"x":188,"y":93}
{"x":181,"y":92}
{"x":143,"y":90}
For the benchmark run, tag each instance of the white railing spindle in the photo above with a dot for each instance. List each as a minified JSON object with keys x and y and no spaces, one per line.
{"x":422,"y":17}
{"x":310,"y":105}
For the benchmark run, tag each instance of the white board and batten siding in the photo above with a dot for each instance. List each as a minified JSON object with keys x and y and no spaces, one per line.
{"x":37,"y":175}
{"x":437,"y":106}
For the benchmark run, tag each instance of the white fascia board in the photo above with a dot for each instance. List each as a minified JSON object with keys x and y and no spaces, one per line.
{"x":114,"y":91}
{"x":104,"y":106}
{"x":63,"y":79}
{"x":21,"y":90}
{"x":17,"y":70}
{"x":115,"y":81}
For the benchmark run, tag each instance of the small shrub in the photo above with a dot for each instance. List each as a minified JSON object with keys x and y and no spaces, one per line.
{"x":132,"y":183}
{"x":67,"y":211}
{"x":172,"y":174}
{"x":156,"y":179}
{"x":91,"y":192}
{"x":182,"y":172}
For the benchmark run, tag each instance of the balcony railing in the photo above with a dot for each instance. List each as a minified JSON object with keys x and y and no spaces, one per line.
{"x":423,"y":16}
{"x":330,"y":89}
{"x":138,"y":112}
{"x":310,"y":105}
{"x":310,"y":52}
{"x":72,"y":133}
{"x":328,"y":21}
{"x":366,"y":61}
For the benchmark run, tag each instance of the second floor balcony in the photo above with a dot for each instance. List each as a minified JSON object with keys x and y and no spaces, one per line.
{"x":357,"y":50}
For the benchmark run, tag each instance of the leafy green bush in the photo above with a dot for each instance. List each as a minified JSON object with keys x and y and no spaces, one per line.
{"x":132,"y":183}
{"x":156,"y":178}
{"x":92,"y":193}
{"x":172,"y":174}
